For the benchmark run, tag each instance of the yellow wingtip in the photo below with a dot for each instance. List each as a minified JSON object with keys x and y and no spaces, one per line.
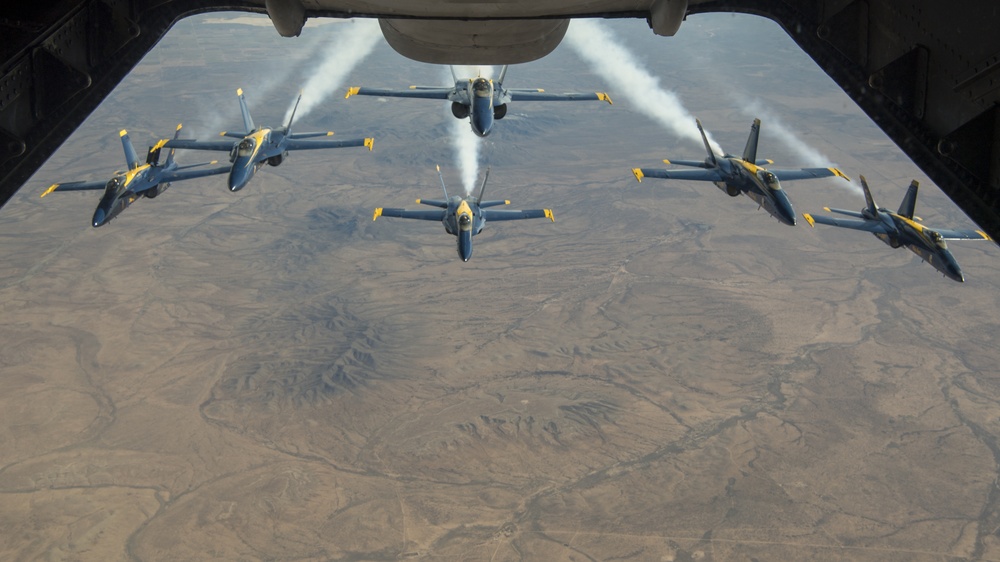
{"x":329,"y":133}
{"x":549,"y":215}
{"x":239,"y":91}
{"x":179,"y":125}
{"x":353,"y":90}
{"x":506,"y":201}
{"x":638,"y":174}
{"x":378,"y":213}
{"x":839,"y":174}
{"x":605,"y":97}
{"x":222,"y":134}
{"x":809,"y":219}
{"x":122,"y":133}
{"x":49,"y":190}
{"x":665,"y":161}
{"x":370,"y":143}
{"x":437,"y":167}
{"x":827,"y":209}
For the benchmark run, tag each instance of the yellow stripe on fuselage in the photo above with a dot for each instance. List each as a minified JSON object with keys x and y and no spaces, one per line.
{"x":750,"y":166}
{"x":131,"y":174}
{"x":463,"y":209}
{"x":258,"y":137}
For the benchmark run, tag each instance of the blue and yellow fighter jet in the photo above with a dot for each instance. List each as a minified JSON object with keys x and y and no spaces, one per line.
{"x":139,"y":180}
{"x":481,"y":99}
{"x":464,"y":217}
{"x":260,"y":145}
{"x":743,"y":175}
{"x":901,"y":229}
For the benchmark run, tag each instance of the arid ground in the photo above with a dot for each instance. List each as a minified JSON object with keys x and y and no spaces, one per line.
{"x":664,"y":373}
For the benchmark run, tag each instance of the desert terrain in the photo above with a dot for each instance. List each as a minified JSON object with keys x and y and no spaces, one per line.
{"x":664,"y":373}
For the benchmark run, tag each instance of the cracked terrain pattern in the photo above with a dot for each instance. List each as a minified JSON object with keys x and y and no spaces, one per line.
{"x":664,"y":373}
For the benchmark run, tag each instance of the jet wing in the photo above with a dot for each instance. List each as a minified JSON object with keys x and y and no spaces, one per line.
{"x":962,"y":234}
{"x":542,"y":95}
{"x":187,"y":173}
{"x":808,"y":173}
{"x":75,"y":186}
{"x":404,"y":214}
{"x":847,"y":212}
{"x":413,"y":92}
{"x":295,"y":144}
{"x":875,"y":227}
{"x":224,"y":145}
{"x":491,"y":215}
{"x":695,"y":175}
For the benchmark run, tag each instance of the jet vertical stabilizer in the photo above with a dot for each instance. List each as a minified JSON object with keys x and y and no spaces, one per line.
{"x":288,"y":126}
{"x":247,"y":120}
{"x":708,"y":147}
{"x":130,"y":155}
{"x":503,"y":73}
{"x":170,"y":155}
{"x":750,"y":152}
{"x":482,"y":189}
{"x":909,"y":204}
{"x":441,"y":177}
{"x":872,"y":210}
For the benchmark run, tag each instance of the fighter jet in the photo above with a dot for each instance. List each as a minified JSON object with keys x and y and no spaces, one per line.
{"x":463,"y":217}
{"x":139,"y":180}
{"x":482,"y":99}
{"x":260,"y":145}
{"x":743,"y":175}
{"x":901,"y":229}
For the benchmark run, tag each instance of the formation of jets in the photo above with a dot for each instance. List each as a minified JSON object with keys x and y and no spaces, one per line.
{"x":484,"y":101}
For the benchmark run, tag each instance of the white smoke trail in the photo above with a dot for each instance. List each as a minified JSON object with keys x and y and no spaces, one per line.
{"x":597,"y":45}
{"x":463,"y":140}
{"x":805,"y":153}
{"x":352,"y":43}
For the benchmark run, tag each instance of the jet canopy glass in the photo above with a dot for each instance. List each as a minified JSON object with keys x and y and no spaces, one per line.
{"x":937,"y":239}
{"x":246,"y":147}
{"x":464,"y":221}
{"x":481,"y":88}
{"x":116,"y":186}
{"x":769,"y":179}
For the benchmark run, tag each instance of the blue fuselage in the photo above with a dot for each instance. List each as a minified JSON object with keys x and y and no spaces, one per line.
{"x":923,"y":242}
{"x":757,"y":184}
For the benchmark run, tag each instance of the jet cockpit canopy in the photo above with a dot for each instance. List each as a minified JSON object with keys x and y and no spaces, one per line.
{"x":246,"y":147}
{"x":115,"y":186}
{"x":481,"y":88}
{"x":769,"y":179}
{"x":937,"y":239}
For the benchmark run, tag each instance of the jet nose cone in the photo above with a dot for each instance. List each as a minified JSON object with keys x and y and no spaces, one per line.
{"x":786,"y":214}
{"x":465,"y":245}
{"x":956,"y":274}
{"x":99,"y":217}
{"x":236,"y":182}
